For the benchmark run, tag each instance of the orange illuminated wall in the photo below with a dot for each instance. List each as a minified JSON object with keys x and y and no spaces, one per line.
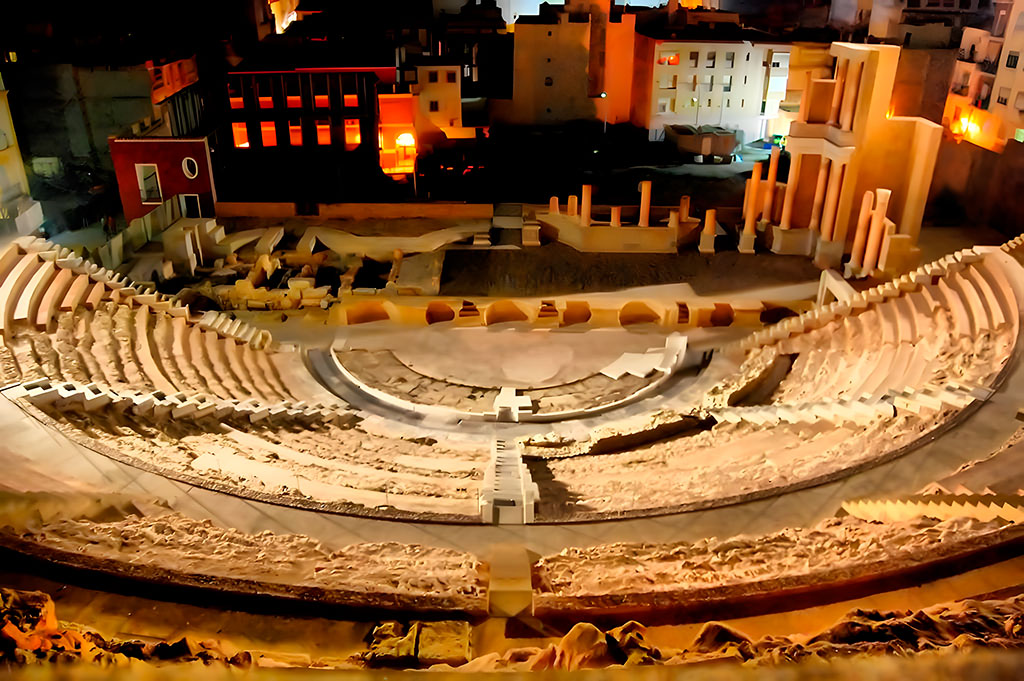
{"x":268,"y":133}
{"x":968,"y":123}
{"x":397,"y":134}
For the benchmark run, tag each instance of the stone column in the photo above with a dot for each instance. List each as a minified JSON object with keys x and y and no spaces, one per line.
{"x":785,"y":221}
{"x":837,"y":93}
{"x":770,"y":184}
{"x":574,"y":201}
{"x":753,"y":208}
{"x":707,"y":236}
{"x":585,"y":206}
{"x":877,"y":231}
{"x":801,"y":114}
{"x":860,"y":237}
{"x":645,"y":204}
{"x":684,"y":207}
{"x":553,"y":205}
{"x":849,"y":106}
{"x":828,"y":216}
{"x":616,"y":216}
{"x":819,"y":193}
{"x":673,"y":219}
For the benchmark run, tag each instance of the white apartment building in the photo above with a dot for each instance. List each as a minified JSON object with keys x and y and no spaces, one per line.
{"x":1007,"y":100}
{"x":733,"y":85}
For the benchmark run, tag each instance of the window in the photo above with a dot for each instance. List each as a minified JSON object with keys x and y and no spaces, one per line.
{"x":240,"y":135}
{"x":265,"y":92}
{"x":1011,"y":60}
{"x":351,"y":100}
{"x":434,"y":107}
{"x":669,"y":58}
{"x":726,"y":83}
{"x":748,"y":56}
{"x":190,"y":167}
{"x":268,"y":133}
{"x":694,"y":59}
{"x":149,"y":183}
{"x":352,"y":135}
{"x":709,"y":102}
{"x":711,"y":60}
{"x":292,"y":92}
{"x":295,"y":133}
{"x":323,"y":133}
{"x":730,"y":60}
{"x":743,"y":103}
{"x":548,"y":82}
{"x":1004,"y":95}
{"x":1019,"y":101}
{"x":775,"y":64}
{"x":450,"y":75}
{"x":235,"y":94}
{"x":711,"y":83}
{"x":664,"y":105}
{"x":431,"y":76}
{"x":728,"y":103}
{"x":320,"y":96}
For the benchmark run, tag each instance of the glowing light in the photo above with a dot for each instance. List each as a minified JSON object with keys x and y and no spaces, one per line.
{"x":891,"y":112}
{"x":405,"y":140}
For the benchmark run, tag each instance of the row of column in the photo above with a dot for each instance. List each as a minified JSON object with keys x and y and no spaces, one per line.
{"x":826,"y":195}
{"x":580,"y":207}
{"x":759,"y":199}
{"x":844,"y":95}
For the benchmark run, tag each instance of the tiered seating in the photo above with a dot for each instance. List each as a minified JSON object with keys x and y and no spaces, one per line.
{"x":205,"y":398}
{"x":871,"y":376}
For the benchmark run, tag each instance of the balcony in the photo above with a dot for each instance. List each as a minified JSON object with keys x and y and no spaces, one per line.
{"x":989,"y":66}
{"x":961,"y":89}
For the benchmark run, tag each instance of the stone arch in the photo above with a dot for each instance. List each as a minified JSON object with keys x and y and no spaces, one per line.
{"x":438,"y":312}
{"x":501,"y":311}
{"x":637,"y":313}
{"x":722,"y":315}
{"x":368,"y":311}
{"x":576,"y":312}
{"x":683,"y":316}
{"x":773,"y":314}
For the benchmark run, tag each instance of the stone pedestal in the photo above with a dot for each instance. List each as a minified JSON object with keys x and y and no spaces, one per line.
{"x":829,"y":254}
{"x":707,"y":243}
{"x":793,"y":241}
{"x":747,"y":243}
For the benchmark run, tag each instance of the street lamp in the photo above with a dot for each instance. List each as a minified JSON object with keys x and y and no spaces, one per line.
{"x":604,"y":95}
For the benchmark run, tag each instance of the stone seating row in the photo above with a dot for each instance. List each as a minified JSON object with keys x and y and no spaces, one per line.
{"x":92,"y":397}
{"x":984,"y":507}
{"x":977,"y":297}
{"x":40,"y":279}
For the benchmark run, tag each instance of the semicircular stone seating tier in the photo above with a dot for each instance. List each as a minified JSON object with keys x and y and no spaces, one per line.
{"x":805,"y":401}
{"x":214,"y":402}
{"x":205,"y":399}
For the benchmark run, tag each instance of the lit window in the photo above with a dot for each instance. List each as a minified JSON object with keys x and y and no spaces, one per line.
{"x":235,"y":94}
{"x":149,"y":183}
{"x":268,"y":133}
{"x":323,"y":133}
{"x":670,"y":58}
{"x":295,"y":133}
{"x":292,"y":92}
{"x":240,"y":134}
{"x":434,"y":106}
{"x":1004,"y":95}
{"x":351,"y":100}
{"x":320,"y":95}
{"x":432,"y":76}
{"x":353,"y":137}
{"x":451,"y":76}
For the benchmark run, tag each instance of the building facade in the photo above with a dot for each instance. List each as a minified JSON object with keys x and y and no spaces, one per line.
{"x":733,"y":85}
